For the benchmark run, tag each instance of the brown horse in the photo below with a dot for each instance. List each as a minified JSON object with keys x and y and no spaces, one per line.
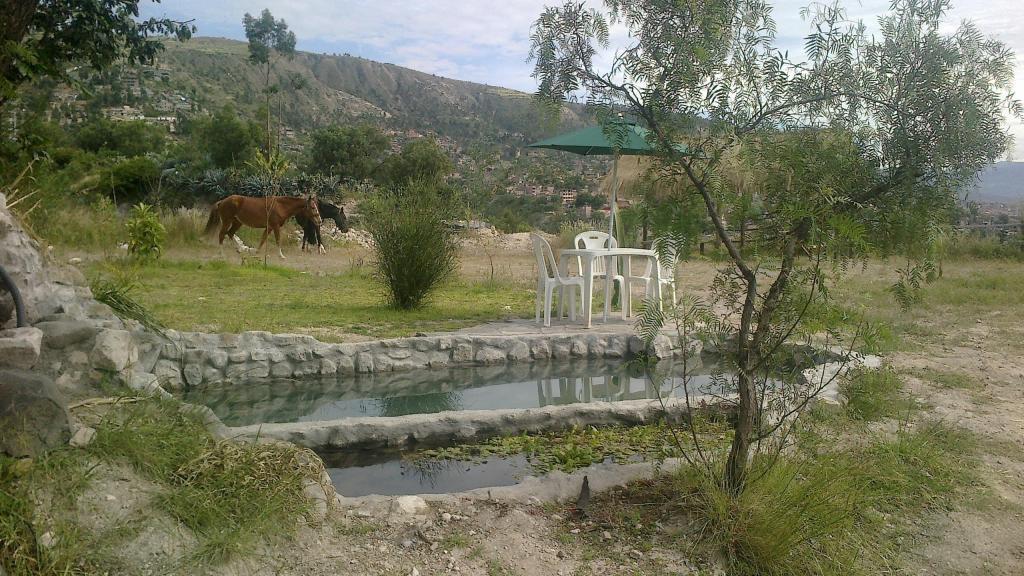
{"x":268,"y":212}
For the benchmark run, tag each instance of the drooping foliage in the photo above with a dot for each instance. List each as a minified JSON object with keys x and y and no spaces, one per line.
{"x":42,"y":37}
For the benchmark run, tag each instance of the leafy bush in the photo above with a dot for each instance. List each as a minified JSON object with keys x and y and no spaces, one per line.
{"x":146,"y":234}
{"x":415,"y":249}
{"x":130,"y":180}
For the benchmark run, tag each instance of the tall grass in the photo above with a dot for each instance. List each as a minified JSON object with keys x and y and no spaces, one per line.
{"x":415,"y":251}
{"x":232,"y":496}
{"x":837,"y":512}
{"x":985,"y":248}
{"x":875,"y":394}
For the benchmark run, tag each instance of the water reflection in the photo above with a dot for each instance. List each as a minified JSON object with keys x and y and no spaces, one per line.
{"x":528,"y":385}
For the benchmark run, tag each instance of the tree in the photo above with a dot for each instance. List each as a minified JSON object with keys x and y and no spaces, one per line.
{"x":226,"y":138}
{"x":128,"y":138}
{"x":420,"y":160}
{"x":42,"y":37}
{"x":131,"y":180}
{"x":269,"y":40}
{"x":350,"y":152}
{"x":913,"y":111}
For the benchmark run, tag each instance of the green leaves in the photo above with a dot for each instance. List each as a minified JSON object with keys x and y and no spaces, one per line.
{"x":267,"y":35}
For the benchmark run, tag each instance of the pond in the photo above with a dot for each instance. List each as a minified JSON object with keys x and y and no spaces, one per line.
{"x":388,"y":474}
{"x":524,"y":385}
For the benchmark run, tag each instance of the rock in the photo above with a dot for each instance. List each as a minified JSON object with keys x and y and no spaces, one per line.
{"x":407,"y":507}
{"x":61,"y":334}
{"x":193,"y":374}
{"x":281,"y":370}
{"x":490,"y":355}
{"x":114,"y":350}
{"x":19,"y":347}
{"x":606,"y":535}
{"x":146,"y":383}
{"x":33,"y":416}
{"x":218,"y":358}
{"x":636,"y":554}
{"x":414,"y":572}
{"x":463,"y":353}
{"x":446,"y":517}
{"x":82,"y":437}
{"x":110,"y":498}
{"x":47,"y":540}
{"x":560,"y":554}
{"x":327,"y":367}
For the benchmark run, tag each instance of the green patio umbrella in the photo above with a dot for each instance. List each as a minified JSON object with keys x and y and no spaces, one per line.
{"x":628,"y":139}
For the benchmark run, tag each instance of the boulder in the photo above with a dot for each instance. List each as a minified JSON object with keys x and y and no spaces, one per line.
{"x":114,"y":350}
{"x":19,"y":347}
{"x":33,"y":414}
{"x":408,"y":508}
{"x":61,"y":334}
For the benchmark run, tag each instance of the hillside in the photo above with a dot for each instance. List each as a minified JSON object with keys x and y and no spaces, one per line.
{"x":342,"y":88}
{"x":1001,"y":182}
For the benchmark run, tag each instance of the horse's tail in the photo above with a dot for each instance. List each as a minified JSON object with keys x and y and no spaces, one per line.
{"x":213,"y":222}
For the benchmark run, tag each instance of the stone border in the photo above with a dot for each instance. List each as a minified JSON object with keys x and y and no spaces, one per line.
{"x":196,"y":359}
{"x":376,"y":432}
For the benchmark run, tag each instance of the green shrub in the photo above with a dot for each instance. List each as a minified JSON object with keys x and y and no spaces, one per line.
{"x":415,"y":250}
{"x":874,"y":394}
{"x":129,"y":180}
{"x":146,"y":234}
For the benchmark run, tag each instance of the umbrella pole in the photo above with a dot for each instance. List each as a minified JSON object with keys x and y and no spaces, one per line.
{"x":609,"y":271}
{"x":615,"y":185}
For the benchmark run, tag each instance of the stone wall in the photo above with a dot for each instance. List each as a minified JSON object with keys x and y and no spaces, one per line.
{"x":45,"y":289}
{"x":195,"y":359}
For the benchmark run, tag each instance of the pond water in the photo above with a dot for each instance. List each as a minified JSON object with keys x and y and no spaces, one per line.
{"x":524,"y":385}
{"x":361,"y":474}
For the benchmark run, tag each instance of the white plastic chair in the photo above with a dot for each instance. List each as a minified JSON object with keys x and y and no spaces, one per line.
{"x":654,"y":280}
{"x":594,"y":240}
{"x":548,"y":278}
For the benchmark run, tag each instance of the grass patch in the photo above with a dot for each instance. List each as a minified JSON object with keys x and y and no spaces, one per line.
{"x":836,"y":512}
{"x":577,"y":448}
{"x":875,"y":394}
{"x":230,"y":495}
{"x":218,"y":296}
{"x":947,"y":379}
{"x":455,"y":541}
{"x":27,"y":487}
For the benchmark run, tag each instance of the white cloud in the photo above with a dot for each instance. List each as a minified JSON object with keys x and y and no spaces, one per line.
{"x":488,"y":42}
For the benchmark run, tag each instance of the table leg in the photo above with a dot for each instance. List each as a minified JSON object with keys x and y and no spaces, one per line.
{"x":627,"y":293}
{"x":608,"y":272}
{"x":588,"y":289}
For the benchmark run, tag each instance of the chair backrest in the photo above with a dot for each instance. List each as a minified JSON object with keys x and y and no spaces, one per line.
{"x":593,"y":240}
{"x":546,"y":265}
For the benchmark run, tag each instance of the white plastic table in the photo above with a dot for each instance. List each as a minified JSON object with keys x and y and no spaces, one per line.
{"x":587,"y":257}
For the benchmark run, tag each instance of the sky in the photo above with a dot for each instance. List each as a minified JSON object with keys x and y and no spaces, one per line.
{"x":488,"y":41}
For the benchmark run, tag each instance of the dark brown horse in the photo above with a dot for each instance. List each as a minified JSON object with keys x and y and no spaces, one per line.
{"x":268,"y":212}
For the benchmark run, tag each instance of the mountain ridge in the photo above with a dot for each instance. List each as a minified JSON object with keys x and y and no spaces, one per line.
{"x":346,"y":88}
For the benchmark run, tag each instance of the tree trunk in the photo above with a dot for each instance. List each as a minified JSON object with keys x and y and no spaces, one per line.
{"x":739,"y":453}
{"x":266,"y":90}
